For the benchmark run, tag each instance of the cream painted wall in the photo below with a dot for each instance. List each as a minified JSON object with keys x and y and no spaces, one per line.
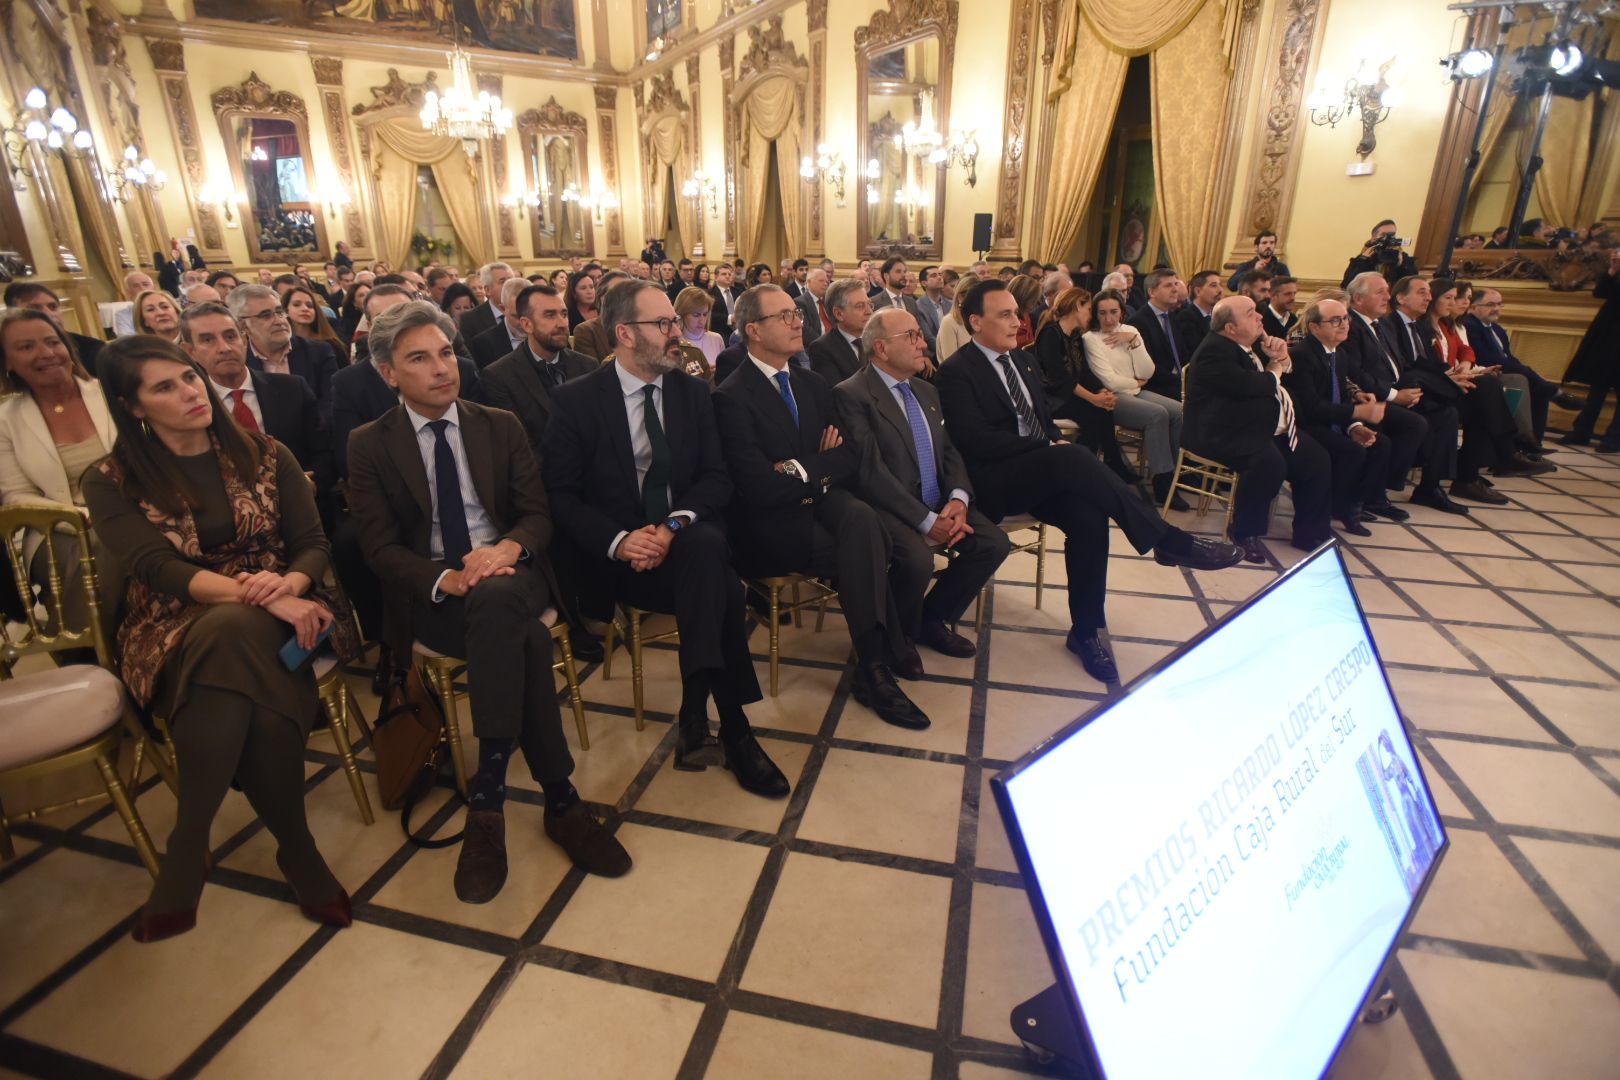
{"x":1333,"y":214}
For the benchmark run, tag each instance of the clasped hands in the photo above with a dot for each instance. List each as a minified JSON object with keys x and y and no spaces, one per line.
{"x":497,"y":560}
{"x":279,"y":595}
{"x":646,"y":547}
{"x":950,"y":525}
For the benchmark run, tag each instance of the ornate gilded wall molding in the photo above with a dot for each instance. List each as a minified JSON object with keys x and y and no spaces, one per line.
{"x":902,"y":21}
{"x":607,"y":128}
{"x":769,"y":48}
{"x":168,"y":57}
{"x":815,"y":242}
{"x":329,"y":79}
{"x":816,"y":13}
{"x":120,"y":101}
{"x":255,"y":95}
{"x":167,"y":54}
{"x":693,"y":74}
{"x":397,"y":92}
{"x":505,"y":228}
{"x":728,"y":95}
{"x":1015,"y":128}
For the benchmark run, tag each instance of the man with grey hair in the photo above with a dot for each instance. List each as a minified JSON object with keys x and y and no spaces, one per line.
{"x":135,"y":283}
{"x":794,"y":511}
{"x":467,"y":574}
{"x":199,"y":294}
{"x":272,"y":345}
{"x":491,"y":276}
{"x":507,"y":333}
{"x":836,"y":355}
{"x":650,"y":525}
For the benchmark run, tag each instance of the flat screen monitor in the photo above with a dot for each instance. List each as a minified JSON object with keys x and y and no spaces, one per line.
{"x":1222,"y":859}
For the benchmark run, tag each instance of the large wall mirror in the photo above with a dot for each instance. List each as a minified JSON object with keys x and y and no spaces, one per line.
{"x":554,"y":160}
{"x":904,"y":77}
{"x":266,"y":135}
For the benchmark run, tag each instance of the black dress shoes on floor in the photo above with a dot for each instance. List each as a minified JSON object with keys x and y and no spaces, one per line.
{"x":1575,"y":438}
{"x":481,"y":867}
{"x":942,"y":639}
{"x":1476,"y":491}
{"x":1519,"y":465}
{"x":1094,"y":656}
{"x":754,"y":770}
{"x":587,"y":842}
{"x":1436,"y":499}
{"x":1566,"y":400}
{"x":875,"y":688}
{"x":586,"y":645}
{"x":1385,"y":509}
{"x":695,"y":748}
{"x":908,"y":665}
{"x":1200,"y":554}
{"x":1354,"y":527}
{"x":1254,"y":551}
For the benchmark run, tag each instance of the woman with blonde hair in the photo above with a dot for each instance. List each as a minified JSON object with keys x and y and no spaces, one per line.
{"x":953,"y":329}
{"x":693,"y":305}
{"x":157,"y":314}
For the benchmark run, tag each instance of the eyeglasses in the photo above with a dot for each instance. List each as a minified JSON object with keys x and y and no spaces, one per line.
{"x":789,"y":317}
{"x":913,"y":335}
{"x":1337,"y":320}
{"x":665,"y":325}
{"x":269,"y":314}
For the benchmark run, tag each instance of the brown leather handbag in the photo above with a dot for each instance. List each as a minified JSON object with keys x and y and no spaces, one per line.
{"x":409,"y":744}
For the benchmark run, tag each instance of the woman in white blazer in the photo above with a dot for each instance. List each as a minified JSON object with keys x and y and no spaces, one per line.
{"x":1116,"y":353}
{"x":53,"y":425}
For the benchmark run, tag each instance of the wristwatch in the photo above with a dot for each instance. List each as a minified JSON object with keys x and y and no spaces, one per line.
{"x":674,"y":524}
{"x":795,"y":470}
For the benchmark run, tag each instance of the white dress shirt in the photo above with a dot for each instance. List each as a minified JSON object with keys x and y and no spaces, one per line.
{"x":894,"y":385}
{"x":275,"y":367}
{"x":250,"y":398}
{"x":991,"y":356}
{"x":479,"y":526}
{"x":635,"y":407}
{"x":1276,"y":377}
{"x":124,"y":321}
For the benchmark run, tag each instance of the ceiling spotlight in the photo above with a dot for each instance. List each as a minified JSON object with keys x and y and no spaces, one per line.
{"x":1474,"y":63}
{"x":1566,"y":59}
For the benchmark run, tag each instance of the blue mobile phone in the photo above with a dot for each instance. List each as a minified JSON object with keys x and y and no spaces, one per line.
{"x":294,"y":655}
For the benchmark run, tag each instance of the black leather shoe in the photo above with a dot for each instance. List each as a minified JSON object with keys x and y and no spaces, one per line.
{"x":1094,"y":656}
{"x":875,"y":688}
{"x":1201,"y":554}
{"x":1519,"y":465}
{"x":1384,"y":510}
{"x":586,"y":645}
{"x":1478,"y":492}
{"x":695,"y":748}
{"x":1566,"y":400}
{"x":754,"y":770}
{"x":1354,"y":527}
{"x":1608,"y":447}
{"x":942,"y":639}
{"x":584,"y":840}
{"x":481,"y":866}
{"x":1575,"y":438}
{"x":1435,"y":499}
{"x":908,"y":665}
{"x":1254,"y":551}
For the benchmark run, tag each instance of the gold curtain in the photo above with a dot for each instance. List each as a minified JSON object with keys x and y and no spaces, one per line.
{"x":454,"y":172}
{"x":1191,"y":67}
{"x":457,"y":179}
{"x":771,"y":111}
{"x":1090,"y":78}
{"x":394,"y":179}
{"x":668,"y":147}
{"x":1566,"y":149}
{"x":1135,"y":28}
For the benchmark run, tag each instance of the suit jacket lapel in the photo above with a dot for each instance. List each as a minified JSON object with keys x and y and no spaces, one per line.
{"x":890,"y":410}
{"x":269,"y":409}
{"x":532,"y":383}
{"x":479,"y":443}
{"x":618,"y":424}
{"x":403,"y":448}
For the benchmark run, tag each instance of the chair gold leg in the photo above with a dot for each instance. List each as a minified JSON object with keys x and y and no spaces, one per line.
{"x":337,"y":717}
{"x":571,"y":676}
{"x":7,"y":851}
{"x":821,"y":609}
{"x":978,"y":612}
{"x":607,"y":646}
{"x":635,"y":668}
{"x":126,"y":810}
{"x":798,"y":623}
{"x":776,"y":631}
{"x":1040,"y":563}
{"x":445,"y":687}
{"x":137,"y":761}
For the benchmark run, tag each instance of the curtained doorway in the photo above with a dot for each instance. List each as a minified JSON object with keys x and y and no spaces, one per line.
{"x":674,"y":240}
{"x":772,"y":244}
{"x":1123,"y":223}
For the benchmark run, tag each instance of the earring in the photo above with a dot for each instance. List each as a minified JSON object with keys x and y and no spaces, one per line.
{"x":146,"y":429}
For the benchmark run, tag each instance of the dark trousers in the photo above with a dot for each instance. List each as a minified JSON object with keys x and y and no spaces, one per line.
{"x":1359,"y":471}
{"x":1307,"y":469}
{"x":1439,"y":450}
{"x":496,"y":628}
{"x":1096,"y":430}
{"x":1542,"y":391}
{"x":1068,"y":487}
{"x":1487,"y":427}
{"x":1586,"y":421}
{"x":974,"y":564}
{"x":697,"y":585}
{"x":1407,"y":433}
{"x":850,"y":545}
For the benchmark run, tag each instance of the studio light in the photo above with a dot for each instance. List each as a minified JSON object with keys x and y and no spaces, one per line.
{"x":1474,"y":63}
{"x":1566,"y":59}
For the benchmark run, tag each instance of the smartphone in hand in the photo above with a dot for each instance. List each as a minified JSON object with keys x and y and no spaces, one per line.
{"x":295,"y":656}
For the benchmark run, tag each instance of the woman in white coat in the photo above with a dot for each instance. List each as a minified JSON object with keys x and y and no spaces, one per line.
{"x":53,"y":426}
{"x":1116,"y":354}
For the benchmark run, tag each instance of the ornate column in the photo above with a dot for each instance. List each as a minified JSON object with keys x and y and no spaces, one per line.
{"x":103,"y":41}
{"x":1015,"y":130}
{"x":1048,"y":113}
{"x":728,"y":81}
{"x":505,"y":233}
{"x":692,"y":90}
{"x":607,"y":130}
{"x":816,"y":10}
{"x":168,"y":57}
{"x":329,"y":79}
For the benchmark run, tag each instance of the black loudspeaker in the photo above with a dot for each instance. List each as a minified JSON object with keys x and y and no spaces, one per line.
{"x":981,"y":232}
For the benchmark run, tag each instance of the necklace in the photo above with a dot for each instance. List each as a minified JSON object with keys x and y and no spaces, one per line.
{"x":58,"y":409}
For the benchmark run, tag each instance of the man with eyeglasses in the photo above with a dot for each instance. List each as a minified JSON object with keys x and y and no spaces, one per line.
{"x":1327,"y":409}
{"x":795,"y":510}
{"x":916,"y":480}
{"x":836,"y":355}
{"x":649,"y":522}
{"x":272,"y":346}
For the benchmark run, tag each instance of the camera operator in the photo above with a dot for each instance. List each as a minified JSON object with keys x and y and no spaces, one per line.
{"x":1382,"y":255}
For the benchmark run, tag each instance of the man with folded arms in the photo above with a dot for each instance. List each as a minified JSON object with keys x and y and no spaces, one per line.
{"x":453,"y":515}
{"x":997,"y":415}
{"x":633,"y":464}
{"x":913,"y":476}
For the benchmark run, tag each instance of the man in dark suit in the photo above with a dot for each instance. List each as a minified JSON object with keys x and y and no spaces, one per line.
{"x":453,"y":515}
{"x":810,"y":309}
{"x":1153,"y":321}
{"x":491,"y":276}
{"x":794,"y":511}
{"x":836,"y":355}
{"x":1239,"y":414}
{"x":272,"y":346}
{"x":28,"y":294}
{"x":725,"y":293}
{"x":507,"y":333}
{"x":794,"y":277}
{"x":997,"y":415}
{"x":633,"y":463}
{"x":1597,"y":364}
{"x":1277,"y":313}
{"x":1135,"y":295}
{"x":1420,"y":430}
{"x":1191,"y":321}
{"x":1326,"y":409}
{"x":913,"y":476}
{"x":1492,"y":348}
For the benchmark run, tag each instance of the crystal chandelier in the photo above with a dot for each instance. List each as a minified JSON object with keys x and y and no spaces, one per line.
{"x":919,"y":136}
{"x":460,"y":112}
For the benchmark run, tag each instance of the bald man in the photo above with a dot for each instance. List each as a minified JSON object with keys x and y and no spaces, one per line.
{"x":135,"y":283}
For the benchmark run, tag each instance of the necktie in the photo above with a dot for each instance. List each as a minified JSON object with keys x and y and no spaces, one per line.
{"x":1333,"y":381}
{"x":551,"y":373}
{"x":826,"y":322}
{"x":1169,"y":335}
{"x":1285,"y":405}
{"x":241,"y":413}
{"x":1417,"y":345}
{"x":655,"y":488}
{"x":1015,"y":390}
{"x":786,"y":386}
{"x":453,"y":532}
{"x":925,"y":448}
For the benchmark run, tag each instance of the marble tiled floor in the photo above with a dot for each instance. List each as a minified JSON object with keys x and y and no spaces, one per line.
{"x":873,"y":924}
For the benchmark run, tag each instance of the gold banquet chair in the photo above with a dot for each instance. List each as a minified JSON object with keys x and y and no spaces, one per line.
{"x":630,"y":629}
{"x":1205,"y":479}
{"x":439,"y":672}
{"x":60,"y":719}
{"x":1011,"y":524}
{"x":771,"y":589}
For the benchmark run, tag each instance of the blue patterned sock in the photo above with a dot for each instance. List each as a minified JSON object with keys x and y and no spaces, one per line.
{"x":486,"y":790}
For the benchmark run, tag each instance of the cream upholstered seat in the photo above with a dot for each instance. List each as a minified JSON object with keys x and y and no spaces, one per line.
{"x":47,"y":712}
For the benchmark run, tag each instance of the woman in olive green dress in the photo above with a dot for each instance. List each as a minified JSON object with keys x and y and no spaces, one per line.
{"x":218,"y":531}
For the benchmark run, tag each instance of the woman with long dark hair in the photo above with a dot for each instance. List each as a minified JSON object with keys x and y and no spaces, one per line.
{"x":218,"y":531}
{"x":309,"y":321}
{"x":353,"y":310}
{"x":458,"y":300}
{"x":1073,"y":390}
{"x":580,"y":299}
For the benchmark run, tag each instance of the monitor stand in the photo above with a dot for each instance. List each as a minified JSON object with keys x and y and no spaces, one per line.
{"x":1046,"y":1028}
